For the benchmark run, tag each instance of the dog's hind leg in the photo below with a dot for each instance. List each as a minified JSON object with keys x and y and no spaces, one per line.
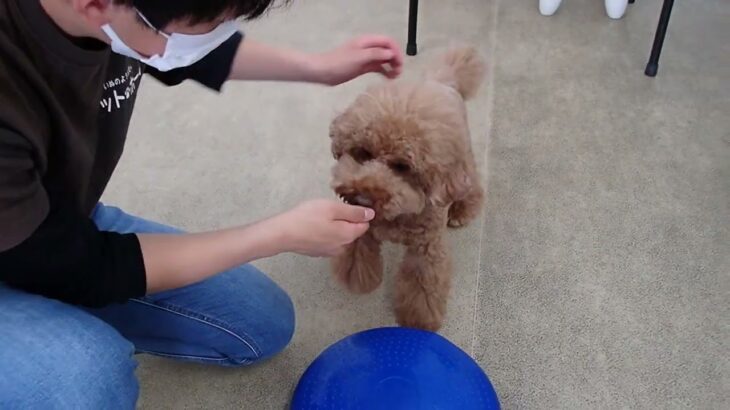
{"x":467,"y":209}
{"x":360,"y":267}
{"x":422,"y":287}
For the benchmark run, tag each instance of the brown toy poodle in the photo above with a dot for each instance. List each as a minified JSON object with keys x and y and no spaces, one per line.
{"x":404,"y":149}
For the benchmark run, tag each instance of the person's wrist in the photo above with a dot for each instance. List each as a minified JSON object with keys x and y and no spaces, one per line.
{"x":259,"y":240}
{"x":277,"y":235}
{"x":316,"y":68}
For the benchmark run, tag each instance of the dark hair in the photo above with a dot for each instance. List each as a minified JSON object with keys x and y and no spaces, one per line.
{"x":163,"y":12}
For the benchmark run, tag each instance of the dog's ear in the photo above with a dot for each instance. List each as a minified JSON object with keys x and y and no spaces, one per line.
{"x":338,"y":129}
{"x":451,"y":187}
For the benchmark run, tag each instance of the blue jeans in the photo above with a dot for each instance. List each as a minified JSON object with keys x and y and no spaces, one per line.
{"x":57,"y":356}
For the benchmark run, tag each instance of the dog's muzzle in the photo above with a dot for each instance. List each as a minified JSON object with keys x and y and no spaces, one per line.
{"x":361,"y":199}
{"x":374,"y":185}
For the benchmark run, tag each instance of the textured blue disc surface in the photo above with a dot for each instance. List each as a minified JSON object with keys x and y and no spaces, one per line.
{"x":394,"y":368}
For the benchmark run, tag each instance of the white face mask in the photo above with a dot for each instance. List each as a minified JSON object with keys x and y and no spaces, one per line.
{"x":182,"y":50}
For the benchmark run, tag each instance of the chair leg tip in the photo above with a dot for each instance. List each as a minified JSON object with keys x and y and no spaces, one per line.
{"x":411,"y":49}
{"x":651,"y":69}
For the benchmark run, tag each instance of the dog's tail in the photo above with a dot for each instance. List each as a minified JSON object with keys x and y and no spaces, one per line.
{"x":461,"y":68}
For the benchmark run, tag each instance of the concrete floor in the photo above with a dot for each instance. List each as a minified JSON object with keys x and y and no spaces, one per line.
{"x":599,"y":274}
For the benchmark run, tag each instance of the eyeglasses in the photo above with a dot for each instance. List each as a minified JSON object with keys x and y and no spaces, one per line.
{"x":150,"y":25}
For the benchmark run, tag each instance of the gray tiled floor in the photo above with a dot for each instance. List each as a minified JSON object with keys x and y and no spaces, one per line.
{"x":599,"y":274}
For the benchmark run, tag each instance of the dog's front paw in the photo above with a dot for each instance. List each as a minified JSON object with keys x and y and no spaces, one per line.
{"x":422,"y":289}
{"x":420,"y":317}
{"x":466,"y":210}
{"x":458,"y":215}
{"x":360,"y":267}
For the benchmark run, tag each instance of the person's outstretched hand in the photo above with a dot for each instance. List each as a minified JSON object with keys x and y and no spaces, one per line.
{"x":362,"y":55}
{"x":321,"y":228}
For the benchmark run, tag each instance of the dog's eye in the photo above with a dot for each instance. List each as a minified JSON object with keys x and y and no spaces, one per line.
{"x":361,"y":154}
{"x":400,"y":167}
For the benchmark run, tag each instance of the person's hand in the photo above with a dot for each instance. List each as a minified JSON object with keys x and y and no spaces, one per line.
{"x":322,"y":228}
{"x":362,"y":55}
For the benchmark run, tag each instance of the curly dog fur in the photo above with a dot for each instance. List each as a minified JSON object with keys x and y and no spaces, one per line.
{"x":404,"y":149}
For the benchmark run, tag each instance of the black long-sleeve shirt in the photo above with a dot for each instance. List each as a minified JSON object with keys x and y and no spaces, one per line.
{"x":64,"y":115}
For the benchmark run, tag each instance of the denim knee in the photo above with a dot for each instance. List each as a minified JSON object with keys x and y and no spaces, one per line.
{"x":55,"y":356}
{"x":283,"y":324}
{"x":267,"y":325}
{"x":272,"y":336}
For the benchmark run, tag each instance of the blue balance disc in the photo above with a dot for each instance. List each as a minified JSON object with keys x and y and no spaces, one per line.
{"x":394,"y":368}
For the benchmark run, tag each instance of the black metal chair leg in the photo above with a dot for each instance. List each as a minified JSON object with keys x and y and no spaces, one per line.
{"x":653,"y":65}
{"x":412,"y":48}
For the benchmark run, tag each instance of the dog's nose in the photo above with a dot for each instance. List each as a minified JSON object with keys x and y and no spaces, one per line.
{"x":359,"y":199}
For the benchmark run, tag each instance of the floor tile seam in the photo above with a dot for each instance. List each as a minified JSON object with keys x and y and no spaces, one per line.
{"x":490,"y":89}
